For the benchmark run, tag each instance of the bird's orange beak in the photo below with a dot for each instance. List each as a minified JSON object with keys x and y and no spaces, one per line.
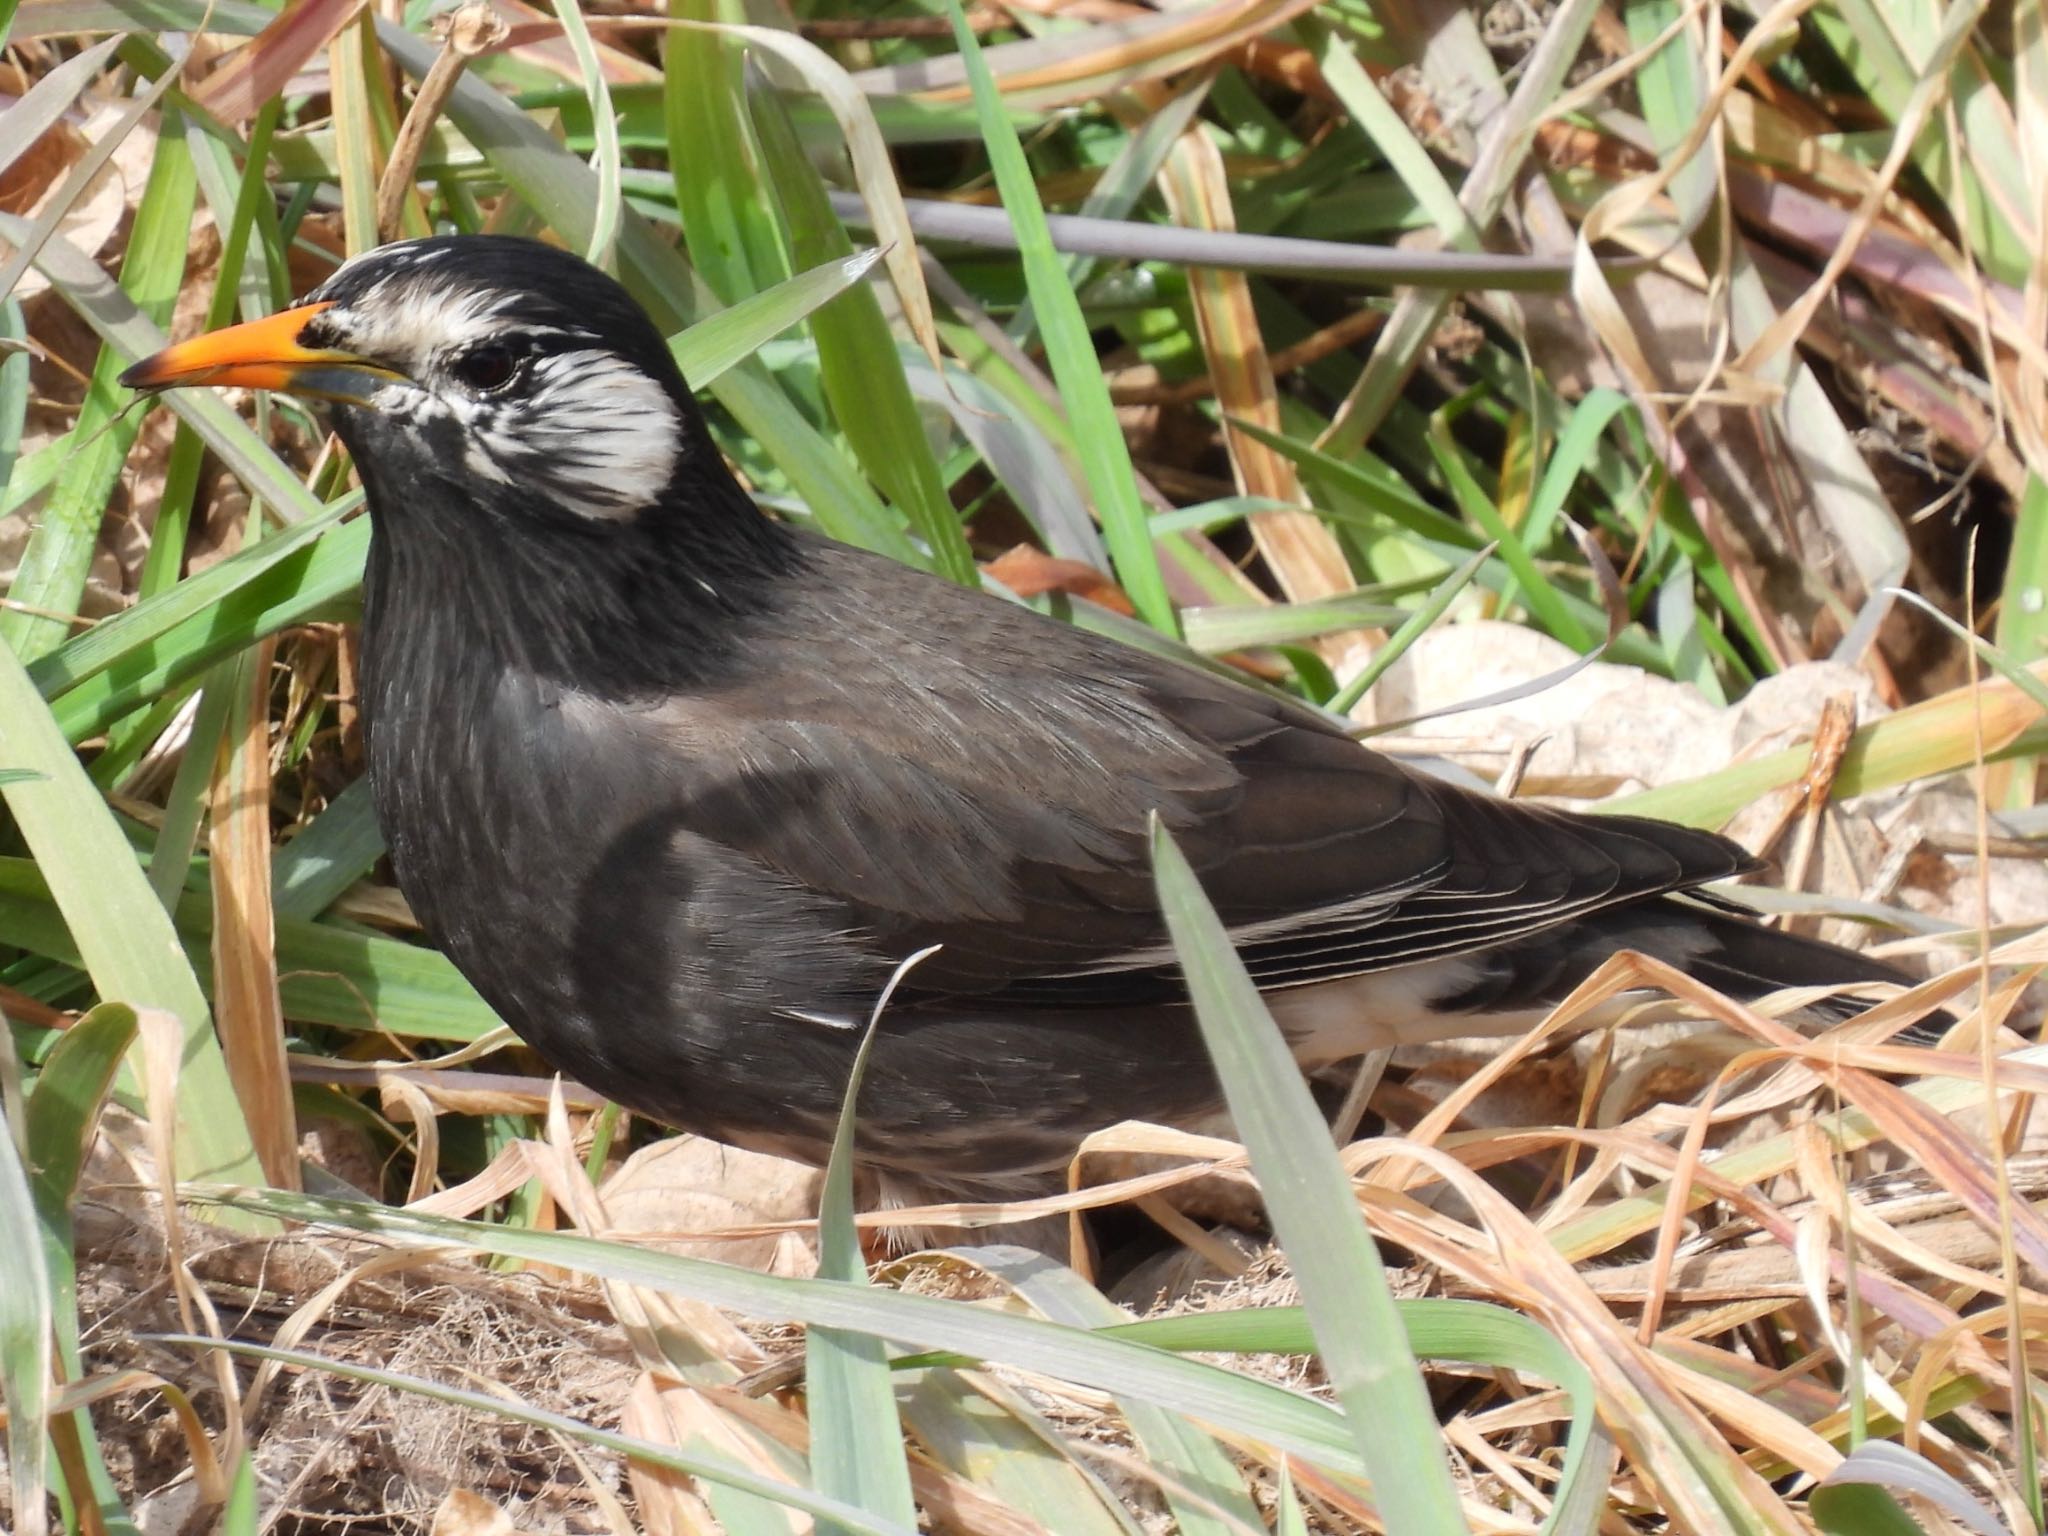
{"x":263,"y":354}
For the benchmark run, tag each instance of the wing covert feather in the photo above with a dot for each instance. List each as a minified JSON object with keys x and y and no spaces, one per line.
{"x":997,"y":805}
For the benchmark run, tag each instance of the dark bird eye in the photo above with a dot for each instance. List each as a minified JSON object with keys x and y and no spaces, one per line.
{"x":485,"y":368}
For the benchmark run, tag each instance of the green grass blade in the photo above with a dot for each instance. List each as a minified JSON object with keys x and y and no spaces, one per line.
{"x":235,"y":199}
{"x":64,"y":1110}
{"x":1124,"y":180}
{"x":123,"y":935}
{"x":1003,"y":1445}
{"x":858,"y":359}
{"x":343,"y":977}
{"x":718,"y":342}
{"x":1390,"y":134}
{"x":52,"y":574}
{"x":13,"y":387}
{"x":298,"y":588}
{"x":564,"y":191}
{"x":2034,"y":687}
{"x":242,"y":1514}
{"x":1542,"y":597}
{"x":1098,"y":436}
{"x":1288,"y":1520}
{"x":1214,"y":631}
{"x":1201,"y":1482}
{"x":1569,"y":458}
{"x":1857,"y":1509}
{"x":1471,"y":1332}
{"x":728,"y":225}
{"x":1287,"y":1420}
{"x":1417,"y":313}
{"x":1857,"y":1497}
{"x":351,"y":57}
{"x":867,"y":154}
{"x":61,"y":1116}
{"x":336,"y":849}
{"x":1314,"y":1213}
{"x":135,"y":635}
{"x":2023,"y":605}
{"x":1412,"y":629}
{"x":856,"y":1434}
{"x":26,"y":1337}
{"x":113,"y":315}
{"x":604,"y":223}
{"x":1368,"y":482}
{"x":185,"y":805}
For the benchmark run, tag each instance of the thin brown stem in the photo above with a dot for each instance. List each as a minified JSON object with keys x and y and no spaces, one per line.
{"x":1354,"y":327}
{"x":473,"y":29}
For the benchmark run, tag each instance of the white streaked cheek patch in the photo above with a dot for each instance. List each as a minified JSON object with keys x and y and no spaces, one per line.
{"x":600,"y":434}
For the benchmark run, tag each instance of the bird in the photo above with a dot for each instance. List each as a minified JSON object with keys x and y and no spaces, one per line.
{"x":679,"y":787}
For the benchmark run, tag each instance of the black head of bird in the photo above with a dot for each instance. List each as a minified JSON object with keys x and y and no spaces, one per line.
{"x":677,"y":786}
{"x":514,"y":414}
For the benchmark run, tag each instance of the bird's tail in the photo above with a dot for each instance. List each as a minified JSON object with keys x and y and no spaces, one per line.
{"x":1745,"y":959}
{"x":1721,"y":946}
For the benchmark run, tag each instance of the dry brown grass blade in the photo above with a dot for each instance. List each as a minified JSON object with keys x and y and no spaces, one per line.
{"x":951,"y":1502}
{"x":352,"y":57}
{"x":247,"y":1008}
{"x":1958,"y":1350}
{"x":1062,"y":68}
{"x":474,"y":29}
{"x":537,"y":39}
{"x":1685,"y":1173}
{"x":405,"y":1104}
{"x":1922,"y":741}
{"x":1304,"y":555}
{"x":1814,"y":791}
{"x":1785,"y":399}
{"x":668,"y":1333}
{"x":1587,"y":1235}
{"x":1825,"y":1185}
{"x":1935,"y":1144}
{"x":1755,"y":1422}
{"x":298,"y":1326}
{"x":207,"y":1476}
{"x":258,"y":72}
{"x":1960,"y":1167}
{"x":160,"y":1053}
{"x":682,"y":1413}
{"x":506,"y":1172}
{"x":668,"y":1413}
{"x":1958,"y":23}
{"x":455,"y":1093}
{"x":1643,"y":1404}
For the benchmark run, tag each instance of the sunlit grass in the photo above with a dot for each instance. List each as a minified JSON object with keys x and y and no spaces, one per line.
{"x":1258,"y":469}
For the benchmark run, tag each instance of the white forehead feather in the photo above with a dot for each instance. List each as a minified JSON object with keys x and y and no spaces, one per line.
{"x":410,"y":320}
